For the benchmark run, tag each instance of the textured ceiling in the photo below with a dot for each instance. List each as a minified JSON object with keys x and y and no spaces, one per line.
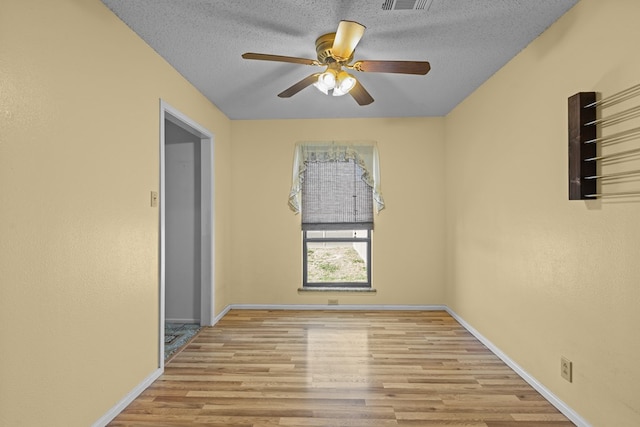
{"x":466,"y":41}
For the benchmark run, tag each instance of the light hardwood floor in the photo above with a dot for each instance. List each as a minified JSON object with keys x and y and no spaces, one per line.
{"x":338,"y":368}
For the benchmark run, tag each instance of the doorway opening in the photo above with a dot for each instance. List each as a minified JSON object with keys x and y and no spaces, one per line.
{"x":186,"y":223}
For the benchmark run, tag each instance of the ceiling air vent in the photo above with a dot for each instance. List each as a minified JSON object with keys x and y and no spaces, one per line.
{"x":406,"y":4}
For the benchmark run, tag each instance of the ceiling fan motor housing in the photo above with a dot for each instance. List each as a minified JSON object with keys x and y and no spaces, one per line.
{"x":324,"y":44}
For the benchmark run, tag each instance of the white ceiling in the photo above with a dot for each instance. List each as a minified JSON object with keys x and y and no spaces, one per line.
{"x":466,"y":41}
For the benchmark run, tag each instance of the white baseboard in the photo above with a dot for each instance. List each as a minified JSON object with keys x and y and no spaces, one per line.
{"x":335,"y":307}
{"x":221,"y":314}
{"x":119,"y":407}
{"x":552,"y":398}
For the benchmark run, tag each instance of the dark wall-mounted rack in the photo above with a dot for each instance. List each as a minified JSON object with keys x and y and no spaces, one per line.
{"x":579,"y":133}
{"x":595,"y":158}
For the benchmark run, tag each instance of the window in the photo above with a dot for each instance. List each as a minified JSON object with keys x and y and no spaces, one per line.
{"x":335,"y":190}
{"x":337,"y":258}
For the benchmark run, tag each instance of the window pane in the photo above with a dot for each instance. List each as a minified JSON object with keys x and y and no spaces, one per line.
{"x":336,"y":262}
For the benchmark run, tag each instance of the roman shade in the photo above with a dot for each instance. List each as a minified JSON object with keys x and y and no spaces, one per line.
{"x":336,"y":185}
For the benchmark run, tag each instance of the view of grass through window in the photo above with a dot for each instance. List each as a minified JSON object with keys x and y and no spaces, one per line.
{"x":335,"y":262}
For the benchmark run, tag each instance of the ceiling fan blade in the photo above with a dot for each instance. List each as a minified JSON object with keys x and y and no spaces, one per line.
{"x":279,"y":58}
{"x":347,"y":37}
{"x":307,"y":81}
{"x":401,"y":67}
{"x":360,"y":94}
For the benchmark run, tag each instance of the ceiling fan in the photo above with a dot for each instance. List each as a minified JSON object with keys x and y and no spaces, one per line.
{"x":335,"y":52}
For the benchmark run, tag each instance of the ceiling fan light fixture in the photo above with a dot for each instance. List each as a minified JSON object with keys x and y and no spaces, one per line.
{"x":338,"y":92}
{"x":328,"y":79}
{"x":321,"y":87}
{"x":336,"y":83}
{"x":345,"y":82}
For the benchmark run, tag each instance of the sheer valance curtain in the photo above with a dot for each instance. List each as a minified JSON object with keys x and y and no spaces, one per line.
{"x":364,"y":153}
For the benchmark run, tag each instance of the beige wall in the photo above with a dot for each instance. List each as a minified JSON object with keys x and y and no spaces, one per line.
{"x":408,"y":263}
{"x":538,"y":275}
{"x":79,"y":135}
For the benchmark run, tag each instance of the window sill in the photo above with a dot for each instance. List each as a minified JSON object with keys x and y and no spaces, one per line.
{"x":336,"y":289}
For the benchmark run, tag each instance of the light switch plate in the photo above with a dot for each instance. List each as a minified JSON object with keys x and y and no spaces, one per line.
{"x":566,"y":369}
{"x":154,"y":199}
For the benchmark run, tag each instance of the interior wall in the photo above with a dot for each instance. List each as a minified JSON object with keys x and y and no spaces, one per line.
{"x":266,"y":253}
{"x":182,"y":225}
{"x":79,"y":155}
{"x":539,"y":275}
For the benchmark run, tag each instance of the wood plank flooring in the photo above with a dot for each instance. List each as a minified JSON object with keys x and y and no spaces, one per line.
{"x":259,"y":368}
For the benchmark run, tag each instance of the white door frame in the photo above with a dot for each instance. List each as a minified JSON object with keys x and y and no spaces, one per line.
{"x":207,"y":277}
